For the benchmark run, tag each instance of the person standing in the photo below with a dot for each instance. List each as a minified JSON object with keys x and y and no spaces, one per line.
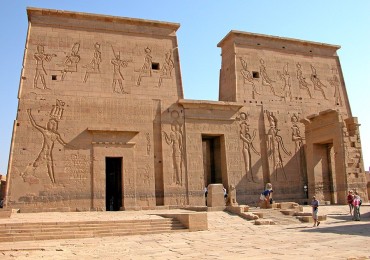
{"x":350,"y":200}
{"x":315,"y":211}
{"x":356,"y":207}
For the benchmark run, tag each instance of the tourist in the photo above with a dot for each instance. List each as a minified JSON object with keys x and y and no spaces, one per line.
{"x":350,"y":200}
{"x":266,"y":196}
{"x":225,"y":192}
{"x":315,"y":211}
{"x":205,"y":193}
{"x":356,"y":207}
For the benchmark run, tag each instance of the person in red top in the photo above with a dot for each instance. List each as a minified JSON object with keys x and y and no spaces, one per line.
{"x":356,"y":207}
{"x":350,"y":200}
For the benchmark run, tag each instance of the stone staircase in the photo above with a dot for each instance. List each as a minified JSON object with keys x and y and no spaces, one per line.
{"x":12,"y":232}
{"x":284,"y":213}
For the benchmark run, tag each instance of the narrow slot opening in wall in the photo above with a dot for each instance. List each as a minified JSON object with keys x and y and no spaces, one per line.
{"x":155,"y":66}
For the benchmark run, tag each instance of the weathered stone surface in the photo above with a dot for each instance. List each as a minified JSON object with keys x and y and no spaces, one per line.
{"x":102,"y":123}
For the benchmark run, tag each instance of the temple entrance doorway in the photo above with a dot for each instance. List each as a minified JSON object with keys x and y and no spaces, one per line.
{"x":212,"y":159}
{"x":324,"y":170}
{"x":113,"y":186}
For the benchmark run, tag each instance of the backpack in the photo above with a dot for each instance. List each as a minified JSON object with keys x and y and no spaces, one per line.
{"x":360,"y":203}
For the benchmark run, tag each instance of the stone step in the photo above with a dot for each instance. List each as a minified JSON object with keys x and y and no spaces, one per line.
{"x":309,"y":218}
{"x":69,"y":230}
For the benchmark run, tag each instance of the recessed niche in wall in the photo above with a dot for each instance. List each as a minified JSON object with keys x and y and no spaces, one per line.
{"x":155,"y":66}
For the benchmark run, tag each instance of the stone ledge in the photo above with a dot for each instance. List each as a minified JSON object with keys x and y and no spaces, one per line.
{"x":5,"y":213}
{"x":194,"y":221}
{"x":264,"y":222}
{"x":309,"y":219}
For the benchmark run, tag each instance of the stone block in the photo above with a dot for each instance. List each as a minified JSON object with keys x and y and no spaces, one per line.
{"x":5,"y":213}
{"x":215,"y":197}
{"x":264,"y":222}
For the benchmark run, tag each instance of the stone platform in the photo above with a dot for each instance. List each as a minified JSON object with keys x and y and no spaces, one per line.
{"x":228,"y":237}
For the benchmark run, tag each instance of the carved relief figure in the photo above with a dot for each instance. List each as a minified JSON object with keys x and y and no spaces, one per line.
{"x":175,"y":140}
{"x":266,"y":80}
{"x":167,"y":68}
{"x":334,"y":82}
{"x":146,"y":69}
{"x":40,"y":57}
{"x":298,"y":141}
{"x":50,"y":135}
{"x":117,"y":75}
{"x":71,"y":61}
{"x":248,"y":76}
{"x":148,"y":145}
{"x":302,"y":80}
{"x":285,"y":77}
{"x":247,"y":146}
{"x":316,"y":82}
{"x":275,"y":145}
{"x":94,"y":65}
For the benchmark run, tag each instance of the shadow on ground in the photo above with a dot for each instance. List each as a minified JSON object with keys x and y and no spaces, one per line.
{"x":359,"y":228}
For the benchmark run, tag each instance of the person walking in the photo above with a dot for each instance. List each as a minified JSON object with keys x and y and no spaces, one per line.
{"x":315,"y":211}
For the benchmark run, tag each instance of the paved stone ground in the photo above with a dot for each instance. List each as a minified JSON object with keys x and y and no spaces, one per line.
{"x":228,"y":237}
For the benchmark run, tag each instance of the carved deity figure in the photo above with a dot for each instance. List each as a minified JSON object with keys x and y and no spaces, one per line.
{"x":71,"y":61}
{"x":302,"y":80}
{"x":247,"y":146}
{"x":175,"y":140}
{"x":167,"y":68}
{"x":297,"y":138}
{"x":248,"y":76}
{"x":316,"y":82}
{"x":146,"y":69}
{"x":117,"y":75}
{"x":94,"y":65}
{"x":50,"y":135}
{"x":334,"y":82}
{"x":285,"y":77}
{"x":266,"y":80}
{"x":275,"y":145}
{"x":40,"y":56}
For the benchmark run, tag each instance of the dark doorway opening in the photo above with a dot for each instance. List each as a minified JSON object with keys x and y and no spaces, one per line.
{"x":113,"y":185}
{"x":212,"y":159}
{"x":325,"y":169}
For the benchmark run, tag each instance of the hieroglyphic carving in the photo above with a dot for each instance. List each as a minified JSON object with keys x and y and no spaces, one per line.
{"x":167,"y":68}
{"x":302,"y":80}
{"x":266,"y":80}
{"x":71,"y":61}
{"x":334,"y":82}
{"x":275,"y":145}
{"x":40,"y":56}
{"x":148,"y":145}
{"x":247,"y":76}
{"x":144,"y":175}
{"x":117,"y":75}
{"x":146,"y":69}
{"x":298,"y":142}
{"x":316,"y":82}
{"x":94,"y":65}
{"x":175,"y":139}
{"x":50,"y":135}
{"x":77,"y":167}
{"x":247,"y":145}
{"x":285,"y":77}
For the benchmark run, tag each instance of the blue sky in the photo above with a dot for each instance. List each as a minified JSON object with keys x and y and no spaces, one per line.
{"x":203,"y":24}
